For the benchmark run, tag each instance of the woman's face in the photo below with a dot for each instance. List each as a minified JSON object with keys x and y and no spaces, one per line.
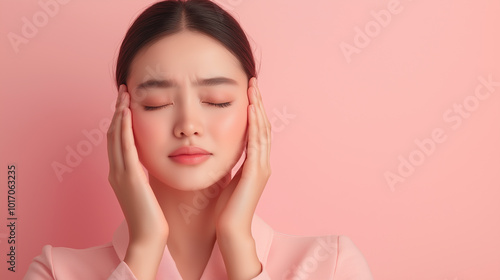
{"x":172,"y":72}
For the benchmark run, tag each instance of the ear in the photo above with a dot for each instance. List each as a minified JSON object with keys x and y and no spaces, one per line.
{"x":249,"y":84}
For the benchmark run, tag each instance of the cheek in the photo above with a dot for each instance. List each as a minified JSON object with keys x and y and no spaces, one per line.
{"x":147,"y":132}
{"x":230,"y":128}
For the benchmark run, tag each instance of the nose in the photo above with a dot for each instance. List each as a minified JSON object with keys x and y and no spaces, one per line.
{"x":189,"y":120}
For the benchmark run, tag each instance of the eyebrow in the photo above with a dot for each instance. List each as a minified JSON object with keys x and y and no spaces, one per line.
{"x":165,"y":83}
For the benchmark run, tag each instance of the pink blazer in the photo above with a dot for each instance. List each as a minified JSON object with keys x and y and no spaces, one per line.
{"x":282,"y":256}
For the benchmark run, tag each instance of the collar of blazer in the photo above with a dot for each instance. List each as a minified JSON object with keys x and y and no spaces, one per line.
{"x":261,"y":232}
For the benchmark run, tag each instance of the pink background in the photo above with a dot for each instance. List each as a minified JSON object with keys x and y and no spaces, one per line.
{"x":351,"y":119}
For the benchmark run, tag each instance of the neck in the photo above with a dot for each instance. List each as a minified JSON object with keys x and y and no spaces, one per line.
{"x":190,"y":216}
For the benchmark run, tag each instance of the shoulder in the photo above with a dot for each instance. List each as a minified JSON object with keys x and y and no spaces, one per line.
{"x":71,"y":263}
{"x":316,"y":257}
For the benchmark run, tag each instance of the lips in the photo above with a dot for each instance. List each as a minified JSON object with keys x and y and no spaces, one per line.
{"x":189,"y":150}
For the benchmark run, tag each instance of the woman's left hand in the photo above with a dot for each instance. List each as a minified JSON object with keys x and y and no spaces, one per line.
{"x":238,"y":200}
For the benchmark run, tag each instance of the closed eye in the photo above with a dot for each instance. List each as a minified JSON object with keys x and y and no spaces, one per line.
{"x":220,"y":105}
{"x":151,"y":108}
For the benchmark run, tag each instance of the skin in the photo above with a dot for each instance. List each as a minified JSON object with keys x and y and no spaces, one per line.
{"x":161,"y":208}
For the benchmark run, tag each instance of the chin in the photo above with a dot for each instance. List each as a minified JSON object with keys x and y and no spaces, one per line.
{"x":190,"y":185}
{"x":194,"y":180}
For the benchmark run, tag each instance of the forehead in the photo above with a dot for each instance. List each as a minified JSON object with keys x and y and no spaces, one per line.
{"x":184,"y":54}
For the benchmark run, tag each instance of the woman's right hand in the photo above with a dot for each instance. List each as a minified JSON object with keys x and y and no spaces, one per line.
{"x":147,"y":226}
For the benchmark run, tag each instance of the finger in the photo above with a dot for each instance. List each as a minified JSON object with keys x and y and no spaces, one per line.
{"x":253,"y":129}
{"x":265,"y":118}
{"x":130,"y":157}
{"x":259,"y":98}
{"x":262,"y":137}
{"x":113,"y":137}
{"x":261,"y":103}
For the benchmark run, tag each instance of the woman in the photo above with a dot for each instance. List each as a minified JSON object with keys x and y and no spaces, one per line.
{"x":188,"y":108}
